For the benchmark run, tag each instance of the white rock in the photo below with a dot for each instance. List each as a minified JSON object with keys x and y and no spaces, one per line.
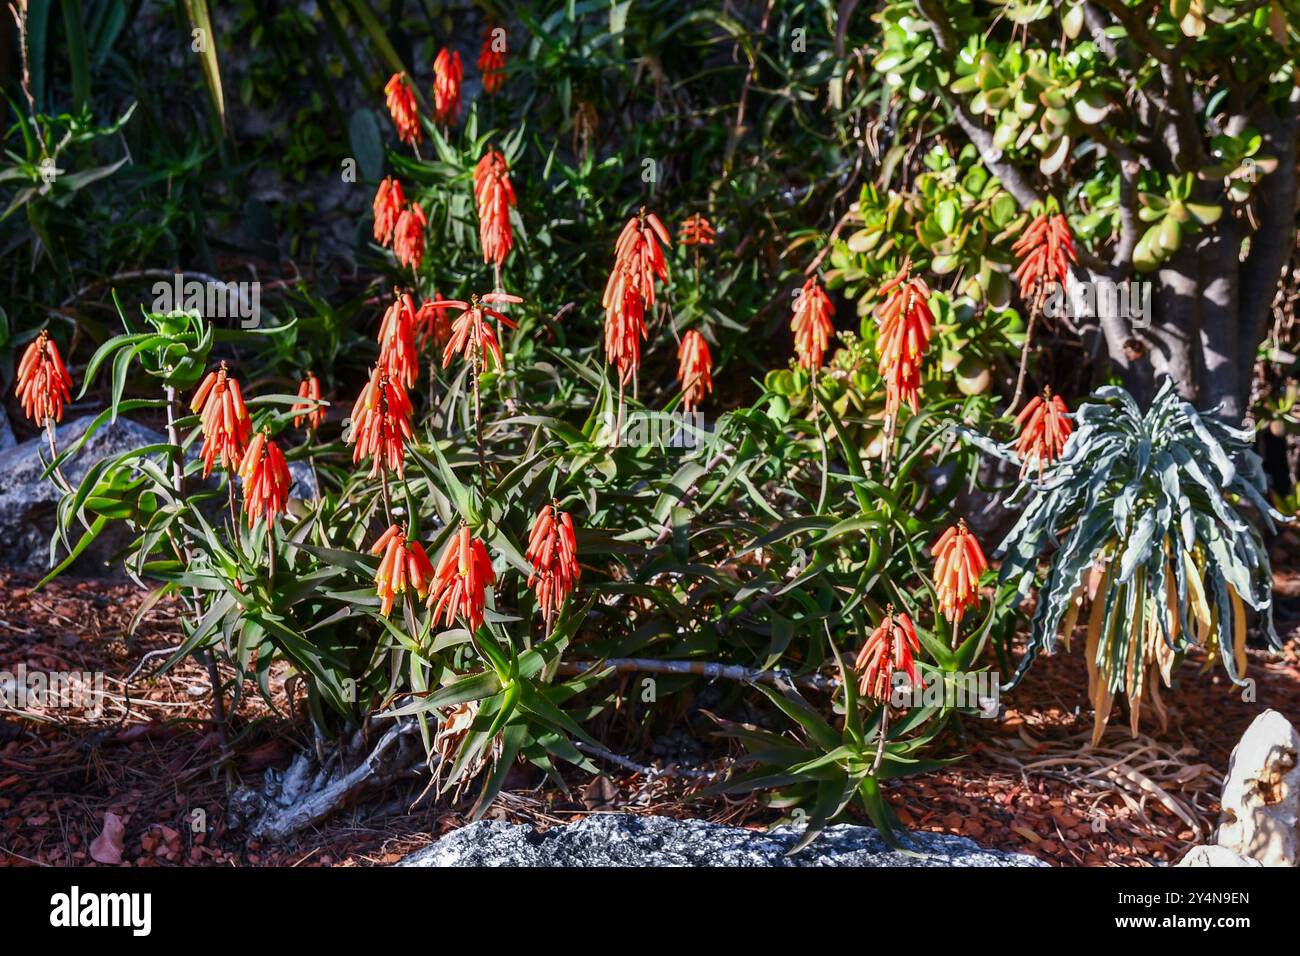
{"x":1261,"y":797}
{"x":1214,"y":855}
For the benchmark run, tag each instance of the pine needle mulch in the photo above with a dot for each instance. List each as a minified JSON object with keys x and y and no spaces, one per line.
{"x":1027,"y":782}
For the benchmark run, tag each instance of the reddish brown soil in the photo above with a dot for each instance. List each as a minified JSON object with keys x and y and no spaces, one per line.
{"x":152,"y":759}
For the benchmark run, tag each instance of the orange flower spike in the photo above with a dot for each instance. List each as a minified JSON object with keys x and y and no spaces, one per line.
{"x":458,"y":588}
{"x":470,"y":334}
{"x":959,"y":562}
{"x":224,"y":419}
{"x":1045,"y":250}
{"x":266,"y":479}
{"x":625,"y":325}
{"x":630,"y":289}
{"x":694,"y":369}
{"x":888,"y":650}
{"x":408,"y":237}
{"x":446,"y":86}
{"x":553,"y":553}
{"x":492,"y":59}
{"x":390,"y":199}
{"x":402,"y":108}
{"x":638,"y":248}
{"x":906,"y":325}
{"x":811,"y":324}
{"x":404,"y":565}
{"x":381,"y":424}
{"x":696,"y":231}
{"x":43,"y":382}
{"x":905,"y":320}
{"x":494,"y":197}
{"x":310,"y":410}
{"x":1044,"y":429}
{"x":397,"y":351}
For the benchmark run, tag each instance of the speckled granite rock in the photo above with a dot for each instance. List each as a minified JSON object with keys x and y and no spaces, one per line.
{"x":618,"y":839}
{"x":27,"y":501}
{"x":7,"y":439}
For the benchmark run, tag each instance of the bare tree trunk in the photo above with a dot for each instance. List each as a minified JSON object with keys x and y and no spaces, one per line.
{"x":1174,"y":336}
{"x":1222,"y":336}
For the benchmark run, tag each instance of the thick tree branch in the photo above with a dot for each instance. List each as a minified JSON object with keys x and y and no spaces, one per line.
{"x":1220,"y":333}
{"x":1012,"y":177}
{"x":1115,"y":333}
{"x":709,"y":669}
{"x":1186,"y":144}
{"x":1128,"y":223}
{"x":1133,"y":20}
{"x":1271,"y":245}
{"x":1182,"y":135}
{"x":1174,"y":335}
{"x":1097,"y":25}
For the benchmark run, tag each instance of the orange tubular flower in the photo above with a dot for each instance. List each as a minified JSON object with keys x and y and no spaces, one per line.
{"x":43,"y":382}
{"x":311,"y":412}
{"x":401,"y":107}
{"x":432,"y":321}
{"x":694,"y":369}
{"x":811,"y":324}
{"x":463,"y":572}
{"x":492,"y":60}
{"x":1044,"y":429}
{"x":624,"y":324}
{"x":1045,"y":250}
{"x":696,"y":231}
{"x":226,"y":425}
{"x":408,"y":237}
{"x":553,"y":553}
{"x":381,"y":424}
{"x":889,"y":649}
{"x":397,"y":352}
{"x":389,"y":201}
{"x":266,"y":479}
{"x":447,"y":74}
{"x":905,"y":322}
{"x":470,"y":335}
{"x":958,"y":564}
{"x":494,"y":196}
{"x":638,"y":249}
{"x":404,"y":565}
{"x":630,"y":290}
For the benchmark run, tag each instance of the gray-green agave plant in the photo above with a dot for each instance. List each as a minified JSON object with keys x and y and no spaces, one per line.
{"x":1144,"y":515}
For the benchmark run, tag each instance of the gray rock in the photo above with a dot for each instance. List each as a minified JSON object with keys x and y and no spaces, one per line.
{"x":618,"y":839}
{"x":28,"y":502}
{"x":7,"y":439}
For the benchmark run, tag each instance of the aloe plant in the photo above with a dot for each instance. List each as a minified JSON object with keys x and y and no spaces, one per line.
{"x":1149,"y":516}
